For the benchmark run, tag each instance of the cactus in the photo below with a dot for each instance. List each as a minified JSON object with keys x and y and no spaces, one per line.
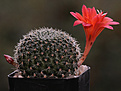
{"x":47,"y":53}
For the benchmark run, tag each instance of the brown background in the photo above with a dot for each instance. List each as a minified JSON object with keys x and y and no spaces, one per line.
{"x":17,"y":17}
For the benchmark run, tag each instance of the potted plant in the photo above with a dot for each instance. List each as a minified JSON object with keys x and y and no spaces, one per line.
{"x":47,"y":59}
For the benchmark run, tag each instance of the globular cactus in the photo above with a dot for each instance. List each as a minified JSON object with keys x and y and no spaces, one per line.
{"x":47,"y":53}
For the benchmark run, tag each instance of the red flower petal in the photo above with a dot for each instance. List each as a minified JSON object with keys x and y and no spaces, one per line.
{"x":95,"y":20}
{"x":74,"y":14}
{"x":86,"y":24}
{"x":109,"y":27}
{"x":89,"y":13}
{"x":107,"y":19}
{"x":80,"y":17}
{"x":93,"y":12}
{"x":85,"y":11}
{"x":113,"y":23}
{"x":77,"y":22}
{"x":101,"y":16}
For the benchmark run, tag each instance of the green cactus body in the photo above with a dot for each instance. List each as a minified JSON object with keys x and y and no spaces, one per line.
{"x":47,"y":53}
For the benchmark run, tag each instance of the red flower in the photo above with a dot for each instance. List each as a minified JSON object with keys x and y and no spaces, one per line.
{"x":93,"y":24}
{"x":10,"y":60}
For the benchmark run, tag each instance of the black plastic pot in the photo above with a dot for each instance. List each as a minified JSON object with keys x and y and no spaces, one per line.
{"x":80,"y":83}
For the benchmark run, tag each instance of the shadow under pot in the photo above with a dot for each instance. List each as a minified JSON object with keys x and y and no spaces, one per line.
{"x":78,"y":83}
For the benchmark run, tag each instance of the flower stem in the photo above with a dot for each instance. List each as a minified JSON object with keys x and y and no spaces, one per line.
{"x":86,"y":51}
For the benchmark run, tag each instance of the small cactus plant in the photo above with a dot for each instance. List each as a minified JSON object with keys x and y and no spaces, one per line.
{"x":47,"y":53}
{"x":52,"y":53}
